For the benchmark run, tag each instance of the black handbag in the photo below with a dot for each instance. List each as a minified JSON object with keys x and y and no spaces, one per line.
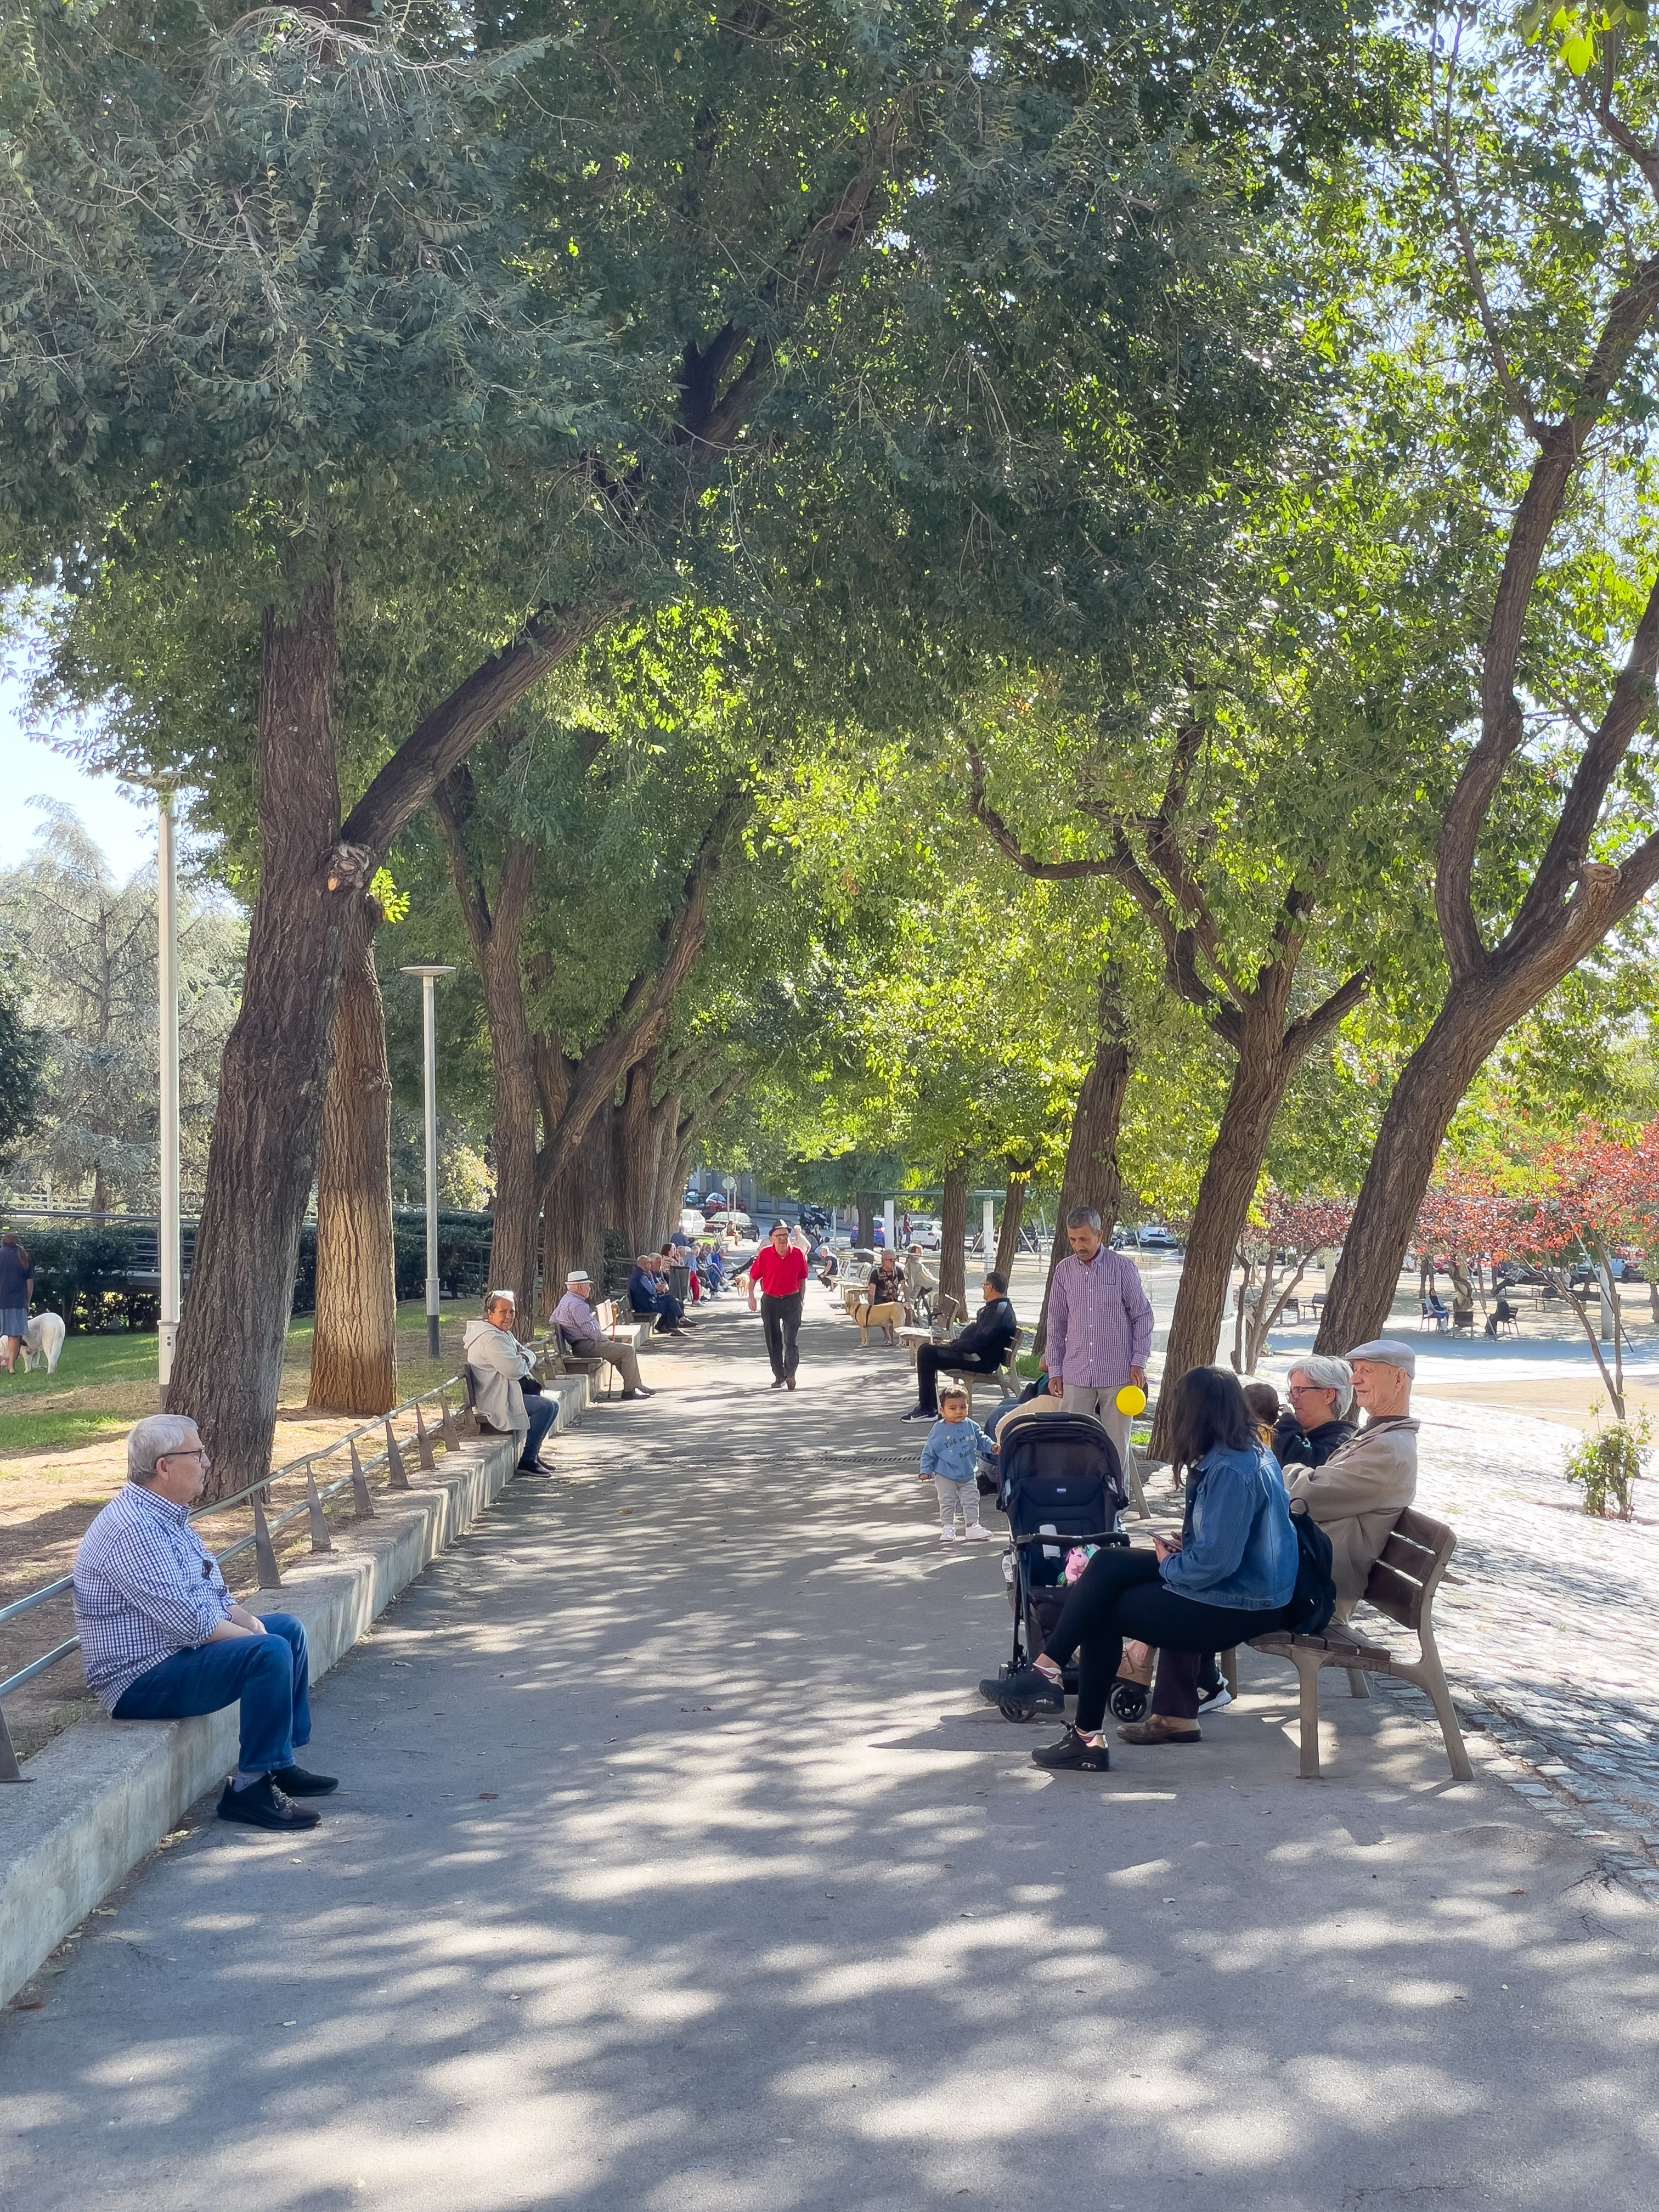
{"x":1314,"y":1599}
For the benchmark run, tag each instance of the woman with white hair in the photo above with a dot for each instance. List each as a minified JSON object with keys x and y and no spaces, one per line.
{"x":1316,"y":1423}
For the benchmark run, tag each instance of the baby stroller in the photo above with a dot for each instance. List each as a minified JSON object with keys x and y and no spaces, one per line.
{"x":1062,"y":1485}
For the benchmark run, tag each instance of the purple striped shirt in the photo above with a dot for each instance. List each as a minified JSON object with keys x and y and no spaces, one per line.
{"x":1100,"y":1321}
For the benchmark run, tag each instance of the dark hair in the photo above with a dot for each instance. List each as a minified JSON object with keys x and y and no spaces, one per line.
{"x":1262,"y":1399}
{"x":999,"y":1282}
{"x":1209,"y":1409}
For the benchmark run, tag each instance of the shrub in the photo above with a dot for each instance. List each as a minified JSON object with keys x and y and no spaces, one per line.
{"x":98,"y":1277}
{"x":1608,"y":1463}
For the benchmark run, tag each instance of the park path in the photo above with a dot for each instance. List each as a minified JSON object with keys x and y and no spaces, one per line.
{"x":678,"y":1866}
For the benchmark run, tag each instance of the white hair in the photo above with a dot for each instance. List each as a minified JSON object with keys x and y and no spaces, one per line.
{"x":1329,"y":1375}
{"x":153,"y":1438}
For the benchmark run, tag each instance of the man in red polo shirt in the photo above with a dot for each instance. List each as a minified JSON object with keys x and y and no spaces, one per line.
{"x":778,"y":1272}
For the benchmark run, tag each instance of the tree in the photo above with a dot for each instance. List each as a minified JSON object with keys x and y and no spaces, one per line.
{"x":86,"y":948}
{"x":22,"y":1053}
{"x":1546,"y":297}
{"x":1283,"y":1235}
{"x":412,"y":400}
{"x":1590,"y":1196}
{"x":354,"y":1345}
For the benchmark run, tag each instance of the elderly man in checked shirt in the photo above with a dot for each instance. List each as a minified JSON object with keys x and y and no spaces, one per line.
{"x":162,"y":1639}
{"x":1100,"y":1328}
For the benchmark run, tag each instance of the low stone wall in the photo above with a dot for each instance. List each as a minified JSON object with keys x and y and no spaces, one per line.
{"x":102,"y":1795}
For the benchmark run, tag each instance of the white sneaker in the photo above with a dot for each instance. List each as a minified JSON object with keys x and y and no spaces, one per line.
{"x":947,"y":1536}
{"x":979,"y":1534}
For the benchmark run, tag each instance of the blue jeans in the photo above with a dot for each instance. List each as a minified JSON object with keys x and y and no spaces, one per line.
{"x":543,"y":1410}
{"x":269,"y":1673}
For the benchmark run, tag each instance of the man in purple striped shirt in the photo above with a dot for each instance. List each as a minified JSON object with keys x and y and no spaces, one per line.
{"x":1100,"y":1328}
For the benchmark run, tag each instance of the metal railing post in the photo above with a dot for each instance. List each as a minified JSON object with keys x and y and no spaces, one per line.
{"x":396,"y":1477}
{"x":451,"y":1434}
{"x":424,"y":1441}
{"x":320,"y":1539}
{"x":359,"y":1492}
{"x":10,"y":1769}
{"x":263,"y":1550}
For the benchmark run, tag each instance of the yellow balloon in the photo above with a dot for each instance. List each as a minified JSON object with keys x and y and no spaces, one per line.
{"x":1131,"y":1400}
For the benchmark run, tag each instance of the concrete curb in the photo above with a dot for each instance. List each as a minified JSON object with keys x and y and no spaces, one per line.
{"x":103,"y":1794}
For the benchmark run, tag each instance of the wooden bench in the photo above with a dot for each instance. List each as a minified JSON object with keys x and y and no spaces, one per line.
{"x":944,"y":1312}
{"x":1402,"y":1585}
{"x":1007,"y":1378}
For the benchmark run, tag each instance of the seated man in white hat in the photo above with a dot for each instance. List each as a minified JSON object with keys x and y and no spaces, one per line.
{"x":1359,"y":1493}
{"x":579,"y":1325}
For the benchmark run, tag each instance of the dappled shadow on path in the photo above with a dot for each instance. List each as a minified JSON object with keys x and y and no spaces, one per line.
{"x":679,"y":1867}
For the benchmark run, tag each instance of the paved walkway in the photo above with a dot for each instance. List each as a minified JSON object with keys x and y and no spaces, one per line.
{"x":678,"y":1866}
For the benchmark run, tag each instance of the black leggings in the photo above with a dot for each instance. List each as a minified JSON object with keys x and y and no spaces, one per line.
{"x":1119,"y":1594}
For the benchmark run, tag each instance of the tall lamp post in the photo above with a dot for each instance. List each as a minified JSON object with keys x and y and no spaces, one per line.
{"x":167,"y":992}
{"x":428,"y":974}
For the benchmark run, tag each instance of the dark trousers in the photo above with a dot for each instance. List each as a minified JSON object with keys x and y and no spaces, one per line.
{"x":1119,"y":1594}
{"x":781,"y":1319}
{"x":544,"y":1410}
{"x":666,"y":1307}
{"x":932,"y":1357}
{"x":268,"y":1673}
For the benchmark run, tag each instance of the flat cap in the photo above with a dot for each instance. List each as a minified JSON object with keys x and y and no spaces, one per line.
{"x":1388,"y":1352}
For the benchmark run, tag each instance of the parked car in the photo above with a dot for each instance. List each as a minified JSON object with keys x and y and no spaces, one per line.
{"x":1154,"y":1237}
{"x":693,"y":1223}
{"x":928,"y":1233}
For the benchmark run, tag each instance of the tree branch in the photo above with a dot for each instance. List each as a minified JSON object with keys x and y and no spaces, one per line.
{"x":1310,"y":1028}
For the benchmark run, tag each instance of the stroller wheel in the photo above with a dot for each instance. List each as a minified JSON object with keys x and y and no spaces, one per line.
{"x":1129,"y":1700}
{"x":1012,"y":1710}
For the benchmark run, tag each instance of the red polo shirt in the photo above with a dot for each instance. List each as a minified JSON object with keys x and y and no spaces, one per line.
{"x":778,"y":1275}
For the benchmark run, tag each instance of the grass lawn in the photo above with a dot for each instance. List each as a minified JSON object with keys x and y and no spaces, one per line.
{"x":105,"y":1383}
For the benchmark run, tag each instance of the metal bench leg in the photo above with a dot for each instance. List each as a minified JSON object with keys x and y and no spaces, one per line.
{"x":1137,"y":1495}
{"x":1308,"y":1669}
{"x":1229,"y":1664}
{"x":1358,"y":1686}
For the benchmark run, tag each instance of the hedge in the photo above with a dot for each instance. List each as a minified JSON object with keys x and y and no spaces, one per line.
{"x":87,"y":1274}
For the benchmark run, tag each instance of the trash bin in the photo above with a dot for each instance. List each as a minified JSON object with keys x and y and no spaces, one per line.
{"x":679,"y":1281}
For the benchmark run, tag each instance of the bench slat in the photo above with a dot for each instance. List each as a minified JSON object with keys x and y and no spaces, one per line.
{"x":1395,"y":1595}
{"x":1413,"y":1560}
{"x":1421,"y":1528}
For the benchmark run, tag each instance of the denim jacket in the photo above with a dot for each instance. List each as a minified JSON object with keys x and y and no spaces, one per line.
{"x":1237,"y":1546}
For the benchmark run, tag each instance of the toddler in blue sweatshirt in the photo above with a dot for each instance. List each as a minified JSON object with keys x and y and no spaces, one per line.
{"x":950,"y":1456}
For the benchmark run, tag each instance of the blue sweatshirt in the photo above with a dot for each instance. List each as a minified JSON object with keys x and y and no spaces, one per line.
{"x":953,"y":1450}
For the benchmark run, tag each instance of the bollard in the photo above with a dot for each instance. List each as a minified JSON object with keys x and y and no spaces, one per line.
{"x":425,"y":1443}
{"x":263,"y":1550}
{"x":394,"y":1462}
{"x":320,"y":1539}
{"x":451,"y":1434}
{"x":364,"y":1502}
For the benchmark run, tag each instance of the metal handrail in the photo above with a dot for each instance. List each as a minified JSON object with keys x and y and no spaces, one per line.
{"x":259,"y":1537}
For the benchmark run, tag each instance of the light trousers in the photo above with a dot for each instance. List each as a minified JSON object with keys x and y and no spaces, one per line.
{"x":952,"y":1494}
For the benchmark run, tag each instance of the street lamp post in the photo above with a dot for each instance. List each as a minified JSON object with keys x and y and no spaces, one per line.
{"x":166,"y":930}
{"x":428,"y":974}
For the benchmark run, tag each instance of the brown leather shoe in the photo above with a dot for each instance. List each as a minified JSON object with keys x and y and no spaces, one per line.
{"x":1160,"y":1728}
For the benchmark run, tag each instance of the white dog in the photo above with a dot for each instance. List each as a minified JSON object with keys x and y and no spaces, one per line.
{"x":44,"y":1342}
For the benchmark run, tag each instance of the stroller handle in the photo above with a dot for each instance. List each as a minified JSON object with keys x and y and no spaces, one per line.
{"x":1049,"y":1536}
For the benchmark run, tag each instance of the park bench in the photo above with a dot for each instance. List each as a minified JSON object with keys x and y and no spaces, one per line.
{"x":1402,"y":1585}
{"x":945,"y":1310}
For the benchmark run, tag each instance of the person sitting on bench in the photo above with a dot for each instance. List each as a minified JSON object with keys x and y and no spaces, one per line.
{"x":163,"y":1639}
{"x":648,"y":1293}
{"x":982,"y":1348}
{"x":578,"y":1324}
{"x":500,"y":1366}
{"x":1366,"y":1484}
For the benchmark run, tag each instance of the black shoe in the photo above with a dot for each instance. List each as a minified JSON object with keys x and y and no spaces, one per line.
{"x":1073,"y":1750}
{"x":640,"y":1392}
{"x":298,"y":1782}
{"x":777,"y":1382}
{"x":918,"y":1413}
{"x":263,"y":1805}
{"x":1029,"y":1686}
{"x":789,"y":1382}
{"x":1212,"y":1701}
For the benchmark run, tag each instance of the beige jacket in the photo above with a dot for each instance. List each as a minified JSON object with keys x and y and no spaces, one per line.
{"x":497,"y":1360}
{"x":1358,"y":1495}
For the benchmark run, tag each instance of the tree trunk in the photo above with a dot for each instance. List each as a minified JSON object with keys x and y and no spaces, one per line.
{"x":1091,"y":1177}
{"x":1013,"y":1212}
{"x":227,"y":1369}
{"x":573,"y":1216}
{"x":637,"y":1140}
{"x":867,"y":1205}
{"x":953,"y":1237}
{"x":664,"y":1191}
{"x":1426,"y":1096}
{"x":1222,"y":1209}
{"x":354,"y":1349}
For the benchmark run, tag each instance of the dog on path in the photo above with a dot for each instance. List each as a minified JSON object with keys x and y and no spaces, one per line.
{"x":45,"y":1341}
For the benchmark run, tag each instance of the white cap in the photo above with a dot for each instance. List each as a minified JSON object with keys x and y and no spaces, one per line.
{"x":1388,"y":1352}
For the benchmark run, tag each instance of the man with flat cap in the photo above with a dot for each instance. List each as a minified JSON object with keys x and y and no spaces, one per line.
{"x":1359,"y":1493}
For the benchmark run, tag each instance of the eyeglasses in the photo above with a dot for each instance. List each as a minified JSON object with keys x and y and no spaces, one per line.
{"x":192,"y":1451}
{"x":1307,"y":1389}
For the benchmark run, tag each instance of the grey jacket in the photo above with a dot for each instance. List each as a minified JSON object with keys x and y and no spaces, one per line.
{"x":497,"y":1360}
{"x":1359,"y":1494}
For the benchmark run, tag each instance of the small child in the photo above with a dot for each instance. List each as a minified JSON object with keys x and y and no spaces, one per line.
{"x":950,"y":1456}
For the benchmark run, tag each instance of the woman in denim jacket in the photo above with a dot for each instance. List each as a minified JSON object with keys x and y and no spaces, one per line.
{"x":1229,"y":1576}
